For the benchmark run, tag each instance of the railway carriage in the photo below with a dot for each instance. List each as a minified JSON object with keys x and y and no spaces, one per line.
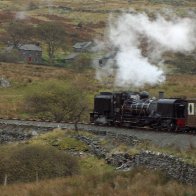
{"x":191,"y":113}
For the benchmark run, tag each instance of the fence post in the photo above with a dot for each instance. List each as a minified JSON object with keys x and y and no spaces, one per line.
{"x":37,"y":177}
{"x":5,"y":180}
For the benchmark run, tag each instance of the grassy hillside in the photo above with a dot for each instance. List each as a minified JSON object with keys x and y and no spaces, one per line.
{"x":83,"y":20}
{"x":93,"y":15}
{"x":26,"y":78}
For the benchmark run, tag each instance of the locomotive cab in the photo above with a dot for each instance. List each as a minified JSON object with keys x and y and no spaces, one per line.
{"x":103,"y":108}
{"x":172,"y":113}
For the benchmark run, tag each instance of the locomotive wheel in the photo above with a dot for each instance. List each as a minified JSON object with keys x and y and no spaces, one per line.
{"x":172,"y":127}
{"x":110,"y":123}
{"x":117,"y":124}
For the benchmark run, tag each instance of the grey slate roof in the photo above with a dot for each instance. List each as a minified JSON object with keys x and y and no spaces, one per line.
{"x":82,"y":45}
{"x":31,"y":47}
{"x":27,"y":47}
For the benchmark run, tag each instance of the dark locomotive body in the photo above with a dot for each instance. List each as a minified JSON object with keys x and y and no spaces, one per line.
{"x":137,"y":109}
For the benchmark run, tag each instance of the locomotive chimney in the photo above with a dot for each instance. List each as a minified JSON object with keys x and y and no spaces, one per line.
{"x":161,"y":95}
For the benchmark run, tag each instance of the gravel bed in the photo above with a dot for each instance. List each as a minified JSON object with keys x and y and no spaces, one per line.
{"x":181,"y":141}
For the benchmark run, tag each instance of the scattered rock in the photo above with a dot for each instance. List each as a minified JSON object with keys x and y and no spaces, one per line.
{"x":34,"y":133}
{"x":4,"y":83}
{"x":11,"y":133}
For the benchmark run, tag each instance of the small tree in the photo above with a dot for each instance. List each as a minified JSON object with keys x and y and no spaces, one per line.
{"x":53,"y":34}
{"x":56,"y":102}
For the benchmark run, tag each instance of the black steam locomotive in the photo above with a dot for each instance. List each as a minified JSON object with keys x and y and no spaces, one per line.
{"x":137,"y":109}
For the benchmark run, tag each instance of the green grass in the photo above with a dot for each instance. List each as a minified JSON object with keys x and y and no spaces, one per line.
{"x":93,"y":165}
{"x":62,"y":140}
{"x":71,"y":144}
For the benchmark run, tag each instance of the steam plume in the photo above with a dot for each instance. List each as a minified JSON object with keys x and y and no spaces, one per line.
{"x":128,"y":32}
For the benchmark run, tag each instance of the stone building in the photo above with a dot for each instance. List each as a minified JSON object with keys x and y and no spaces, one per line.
{"x":29,"y":53}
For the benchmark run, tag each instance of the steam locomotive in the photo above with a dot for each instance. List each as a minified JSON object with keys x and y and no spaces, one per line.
{"x":138,"y":109}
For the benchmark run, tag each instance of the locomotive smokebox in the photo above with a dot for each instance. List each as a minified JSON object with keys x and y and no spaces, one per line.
{"x":161,"y":95}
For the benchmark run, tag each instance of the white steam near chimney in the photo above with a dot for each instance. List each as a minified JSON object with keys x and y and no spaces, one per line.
{"x":126,"y":33}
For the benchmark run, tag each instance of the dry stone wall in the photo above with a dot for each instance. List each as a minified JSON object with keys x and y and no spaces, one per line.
{"x":173,"y":166}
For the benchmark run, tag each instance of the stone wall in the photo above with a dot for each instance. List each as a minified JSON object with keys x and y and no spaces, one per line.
{"x":94,"y":146}
{"x":173,"y":166}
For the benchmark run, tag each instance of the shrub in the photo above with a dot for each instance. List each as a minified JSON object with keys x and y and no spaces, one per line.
{"x":26,"y":163}
{"x":57,"y":102}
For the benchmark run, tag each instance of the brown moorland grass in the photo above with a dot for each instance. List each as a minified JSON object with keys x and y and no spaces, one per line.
{"x":139,"y":182}
{"x":20,"y":72}
{"x":57,"y":9}
{"x":24,"y":78}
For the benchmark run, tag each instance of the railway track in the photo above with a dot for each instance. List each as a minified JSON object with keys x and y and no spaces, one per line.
{"x":81,"y":125}
{"x":180,"y":141}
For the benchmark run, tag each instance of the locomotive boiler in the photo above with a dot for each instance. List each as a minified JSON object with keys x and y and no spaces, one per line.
{"x":138,"y":109}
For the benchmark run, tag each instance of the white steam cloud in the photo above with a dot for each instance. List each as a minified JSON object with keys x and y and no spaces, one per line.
{"x":128,"y":32}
